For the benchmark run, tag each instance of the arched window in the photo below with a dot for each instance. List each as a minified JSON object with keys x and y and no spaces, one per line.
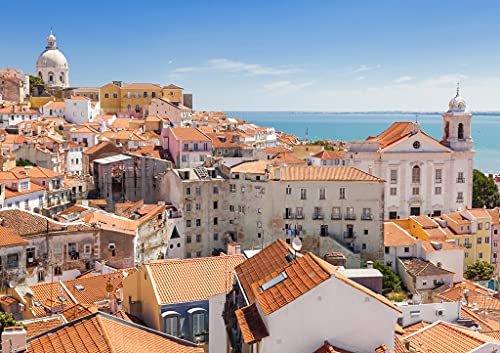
{"x":129,"y":107}
{"x":460,"y":131}
{"x":137,"y":108}
{"x":415,"y":174}
{"x":61,"y":78}
{"x":51,"y":77}
{"x":40,"y":74}
{"x":447,"y":130}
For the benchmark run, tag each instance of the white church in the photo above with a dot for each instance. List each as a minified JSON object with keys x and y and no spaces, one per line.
{"x":423,"y":176}
{"x":52,"y":66}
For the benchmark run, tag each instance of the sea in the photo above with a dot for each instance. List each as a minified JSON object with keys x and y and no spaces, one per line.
{"x":358,"y":126}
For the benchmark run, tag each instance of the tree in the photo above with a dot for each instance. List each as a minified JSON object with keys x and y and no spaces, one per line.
{"x":480,"y":271}
{"x":389,"y":279}
{"x":24,"y":162}
{"x":6,"y":320}
{"x":484,"y":191}
{"x":35,"y":82}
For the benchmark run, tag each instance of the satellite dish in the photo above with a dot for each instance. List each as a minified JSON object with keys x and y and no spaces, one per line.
{"x":11,"y":284}
{"x":125,"y":274}
{"x":296,"y":244}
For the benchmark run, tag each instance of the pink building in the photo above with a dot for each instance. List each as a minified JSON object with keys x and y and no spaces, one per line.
{"x":188,"y":146}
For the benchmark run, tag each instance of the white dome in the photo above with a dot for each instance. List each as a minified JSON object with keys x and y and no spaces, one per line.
{"x":52,"y":58}
{"x":457,"y":104}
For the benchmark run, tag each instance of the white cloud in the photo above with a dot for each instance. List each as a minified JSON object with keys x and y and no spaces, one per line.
{"x":404,"y":79}
{"x":360,"y":78}
{"x":364,"y":68}
{"x":284,"y":87}
{"x":232,"y":66}
{"x":443,"y":80}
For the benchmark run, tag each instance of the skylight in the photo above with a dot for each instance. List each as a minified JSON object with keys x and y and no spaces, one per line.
{"x":61,"y":298}
{"x":271,"y":283}
{"x":79,"y":287}
{"x":37,"y":304}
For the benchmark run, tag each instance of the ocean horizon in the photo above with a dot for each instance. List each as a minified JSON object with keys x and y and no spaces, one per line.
{"x":349,"y":126}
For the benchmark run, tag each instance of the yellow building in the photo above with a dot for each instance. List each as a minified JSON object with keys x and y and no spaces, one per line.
{"x":133,"y":97}
{"x":89,"y":92}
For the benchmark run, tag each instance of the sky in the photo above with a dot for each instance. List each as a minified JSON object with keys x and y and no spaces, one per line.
{"x":278,"y":55}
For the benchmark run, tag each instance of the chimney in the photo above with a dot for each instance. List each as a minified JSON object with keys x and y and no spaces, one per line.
{"x":369,"y":264}
{"x":14,"y":339}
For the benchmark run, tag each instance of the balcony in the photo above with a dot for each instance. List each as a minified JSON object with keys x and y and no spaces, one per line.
{"x":460,"y":180}
{"x":349,"y":235}
{"x":350,"y":217}
{"x":336,"y":217}
{"x":299,"y":216}
{"x":287,"y":215}
{"x":367,"y":217}
{"x":460,"y":200}
{"x":318,"y":216}
{"x":467,"y":245}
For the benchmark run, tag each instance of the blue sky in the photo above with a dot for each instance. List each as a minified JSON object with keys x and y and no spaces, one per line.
{"x":274,"y":55}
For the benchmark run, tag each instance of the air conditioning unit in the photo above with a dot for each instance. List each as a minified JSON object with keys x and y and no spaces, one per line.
{"x":440,"y":312}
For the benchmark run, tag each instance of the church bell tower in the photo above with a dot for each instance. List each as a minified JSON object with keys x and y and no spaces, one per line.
{"x":457,"y":125}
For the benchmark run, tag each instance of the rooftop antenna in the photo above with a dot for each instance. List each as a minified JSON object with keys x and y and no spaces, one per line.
{"x":416,"y":118}
{"x":307,"y":134}
{"x":458,"y":89}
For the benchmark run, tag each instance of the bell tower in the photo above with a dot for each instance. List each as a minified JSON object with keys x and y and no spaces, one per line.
{"x":457,"y":125}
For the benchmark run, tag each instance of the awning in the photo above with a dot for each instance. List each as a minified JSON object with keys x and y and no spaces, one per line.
{"x":169,"y":313}
{"x":194,"y":310}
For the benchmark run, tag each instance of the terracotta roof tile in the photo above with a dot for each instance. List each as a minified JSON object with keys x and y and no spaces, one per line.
{"x":327,"y":155}
{"x":9,"y":237}
{"x":287,"y":159}
{"x":172,"y":86}
{"x":394,"y":235}
{"x":393,"y":133}
{"x":35,"y":172}
{"x":325,"y":173}
{"x":479,"y":295}
{"x":41,"y":325}
{"x":328,"y":348}
{"x":442,"y":337}
{"x":94,"y":288}
{"x":50,"y":296}
{"x":153,"y":86}
{"x":189,"y":134}
{"x":104,"y":333}
{"x":251,"y":325}
{"x":418,"y":267}
{"x":33,"y":188}
{"x":270,"y":259}
{"x":77,"y":311}
{"x":187,"y":280}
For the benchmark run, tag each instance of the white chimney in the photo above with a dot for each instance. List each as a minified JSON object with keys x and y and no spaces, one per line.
{"x":369,"y":264}
{"x":13,"y":339}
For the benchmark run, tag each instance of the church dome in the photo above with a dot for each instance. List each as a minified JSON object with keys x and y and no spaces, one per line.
{"x":457,"y":103}
{"x":52,"y":58}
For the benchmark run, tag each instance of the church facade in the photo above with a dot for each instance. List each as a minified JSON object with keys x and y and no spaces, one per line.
{"x":52,"y":66}
{"x":423,"y":176}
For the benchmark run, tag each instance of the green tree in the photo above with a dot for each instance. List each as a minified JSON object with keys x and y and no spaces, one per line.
{"x":480,"y":271}
{"x":484,"y":191}
{"x":35,"y":81}
{"x":24,"y":162}
{"x":389,"y":279}
{"x":6,"y":320}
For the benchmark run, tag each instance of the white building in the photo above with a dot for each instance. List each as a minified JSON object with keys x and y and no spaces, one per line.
{"x":424,"y":176}
{"x":11,"y":116}
{"x":53,"y":109}
{"x":294,"y":304}
{"x":21,"y":193}
{"x":52,"y":66}
{"x":79,"y":110}
{"x":74,"y":157}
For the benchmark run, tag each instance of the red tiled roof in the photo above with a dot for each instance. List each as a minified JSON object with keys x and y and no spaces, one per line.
{"x":9,"y":237}
{"x":95,"y":287}
{"x":393,"y":133}
{"x":178,"y":281}
{"x":189,"y":134}
{"x":325,"y":173}
{"x":394,"y":235}
{"x":251,"y":325}
{"x":104,"y":333}
{"x":418,"y":267}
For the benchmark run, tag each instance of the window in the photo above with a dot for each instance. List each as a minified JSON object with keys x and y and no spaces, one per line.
{"x":73,"y":251}
{"x":198,"y":323}
{"x":12,"y":261}
{"x":288,"y":190}
{"x":231,"y":208}
{"x":87,"y":249}
{"x":41,"y":276}
{"x":195,"y":147}
{"x":342,"y":193}
{"x":424,"y":283}
{"x":461,"y":131}
{"x":387,"y":250}
{"x":486,"y":240}
{"x":172,"y":325}
{"x":495,"y":255}
{"x":198,"y":254}
{"x":216,"y":189}
{"x":198,"y":191}
{"x":303,"y":194}
{"x":415,"y":191}
{"x":416,"y":145}
{"x":188,"y":191}
{"x":198,"y":238}
{"x":30,"y":256}
{"x":367,"y":213}
{"x":198,"y":222}
{"x":487,"y":225}
{"x":216,"y":236}
{"x":216,"y":205}
{"x":407,"y":249}
{"x":363,"y":246}
{"x":393,"y":215}
{"x":479,"y":226}
{"x":336,"y":213}
{"x":188,"y":239}
{"x":438,"y":176}
{"x":495,"y":244}
{"x":466,"y":254}
{"x":57,"y":271}
{"x":186,"y":147}
{"x":232,"y":188}
{"x":394,"y":176}
{"x":57,"y":249}
{"x":393,"y":191}
{"x":350,"y":213}
{"x":460,"y":197}
{"x":299,"y":213}
{"x":198,"y":207}
{"x":145,"y":95}
{"x":216,"y":221}
{"x":188,"y":223}
{"x":460,"y":178}
{"x":322,"y":193}
{"x":115,"y":95}
{"x":188,"y":207}
{"x":365,"y":232}
{"x":437,"y":190}
{"x":480,"y":255}
{"x":415,"y":175}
